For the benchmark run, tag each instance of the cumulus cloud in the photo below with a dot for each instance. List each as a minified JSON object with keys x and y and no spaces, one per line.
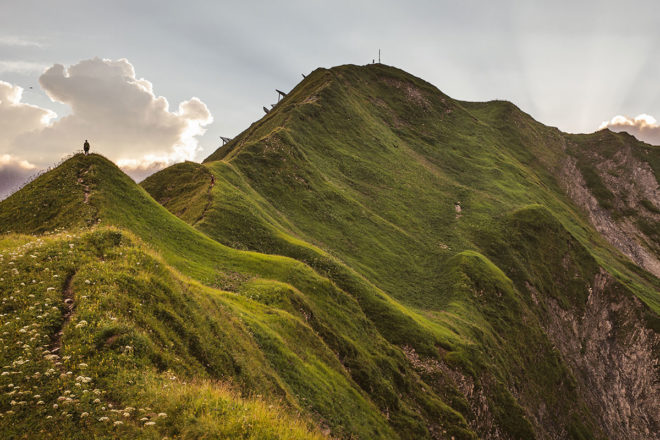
{"x":644,"y":127}
{"x":17,"y":118}
{"x":117,"y":112}
{"x":13,"y":172}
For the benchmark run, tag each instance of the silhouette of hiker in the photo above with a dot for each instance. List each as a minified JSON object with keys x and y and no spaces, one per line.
{"x":212,"y":180}
{"x":86,"y":147}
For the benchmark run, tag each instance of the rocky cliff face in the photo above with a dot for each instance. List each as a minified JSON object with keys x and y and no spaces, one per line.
{"x":621,"y":195}
{"x":614,"y":358}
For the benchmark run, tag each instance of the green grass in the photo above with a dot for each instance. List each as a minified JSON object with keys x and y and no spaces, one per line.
{"x":187,"y":178}
{"x":357,"y":173}
{"x":132,"y":361}
{"x":347,"y":377}
{"x":327,"y":275}
{"x":54,"y":200}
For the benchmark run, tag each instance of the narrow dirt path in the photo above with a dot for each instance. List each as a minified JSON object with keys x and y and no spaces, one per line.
{"x":208,"y":204}
{"x":67,"y":298}
{"x":81,"y":181}
{"x":87,"y":193}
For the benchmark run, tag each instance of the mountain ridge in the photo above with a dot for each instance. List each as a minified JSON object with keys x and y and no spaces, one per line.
{"x":531,"y":157}
{"x":378,"y":258}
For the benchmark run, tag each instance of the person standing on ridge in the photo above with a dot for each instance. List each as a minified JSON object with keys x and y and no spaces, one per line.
{"x":86,"y":147}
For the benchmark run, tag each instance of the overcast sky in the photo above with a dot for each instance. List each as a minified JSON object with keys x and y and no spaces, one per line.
{"x":154,"y":82}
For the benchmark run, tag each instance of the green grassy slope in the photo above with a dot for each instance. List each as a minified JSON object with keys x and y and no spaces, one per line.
{"x":360,"y":173}
{"x":54,"y":200}
{"x":373,"y":165}
{"x":377,"y":179}
{"x":139,"y":353}
{"x":189,"y":179}
{"x":373,"y":260}
{"x":325,"y":356}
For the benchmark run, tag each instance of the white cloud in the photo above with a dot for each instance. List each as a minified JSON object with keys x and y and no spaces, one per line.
{"x":9,"y":160}
{"x":117,"y":112}
{"x":644,"y":127}
{"x":141,"y":169}
{"x":13,"y":172}
{"x":17,"y":118}
{"x":9,"y":66}
{"x":18,"y":41}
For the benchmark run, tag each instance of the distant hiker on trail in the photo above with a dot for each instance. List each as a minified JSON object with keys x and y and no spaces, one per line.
{"x":86,"y":147}
{"x":212,"y":180}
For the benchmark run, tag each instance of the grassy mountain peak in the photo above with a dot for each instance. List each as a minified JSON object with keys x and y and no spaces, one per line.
{"x":371,"y":259}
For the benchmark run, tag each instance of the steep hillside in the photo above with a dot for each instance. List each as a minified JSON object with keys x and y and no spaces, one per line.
{"x":614,"y":178}
{"x":103,"y":340}
{"x":372,"y":259}
{"x":320,"y":353}
{"x":461,"y":212}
